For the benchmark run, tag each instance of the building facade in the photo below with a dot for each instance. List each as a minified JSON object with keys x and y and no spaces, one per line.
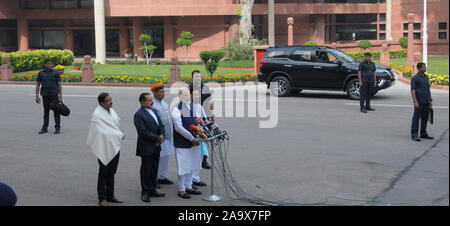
{"x":70,"y":24}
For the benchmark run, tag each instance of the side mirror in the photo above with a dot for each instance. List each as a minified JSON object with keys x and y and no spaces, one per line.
{"x":338,"y":62}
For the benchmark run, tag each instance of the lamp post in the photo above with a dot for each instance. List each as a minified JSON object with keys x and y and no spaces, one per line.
{"x":425,"y":34}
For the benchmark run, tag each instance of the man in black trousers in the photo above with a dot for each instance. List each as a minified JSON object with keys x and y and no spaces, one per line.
{"x":367,"y":81}
{"x":51,"y":90}
{"x":421,"y":95}
{"x":150,"y":136}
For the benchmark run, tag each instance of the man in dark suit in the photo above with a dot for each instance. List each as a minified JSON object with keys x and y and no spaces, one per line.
{"x":150,"y":136}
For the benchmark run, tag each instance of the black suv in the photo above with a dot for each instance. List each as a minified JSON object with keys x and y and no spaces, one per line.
{"x":295,"y":68}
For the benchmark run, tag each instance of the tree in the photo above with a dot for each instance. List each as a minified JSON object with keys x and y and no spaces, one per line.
{"x":185,"y":39}
{"x":245,"y":25}
{"x":147,"y":48}
{"x":211,"y":59}
{"x":403,"y":42}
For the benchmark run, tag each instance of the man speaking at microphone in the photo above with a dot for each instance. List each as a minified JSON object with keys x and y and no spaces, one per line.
{"x":185,"y":143}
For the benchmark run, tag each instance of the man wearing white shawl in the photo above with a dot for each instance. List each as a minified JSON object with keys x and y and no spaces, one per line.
{"x":104,"y":140}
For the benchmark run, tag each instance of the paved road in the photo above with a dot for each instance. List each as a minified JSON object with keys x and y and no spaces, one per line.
{"x":322,"y":148}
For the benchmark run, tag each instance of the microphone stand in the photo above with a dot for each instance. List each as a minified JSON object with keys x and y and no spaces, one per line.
{"x":210,"y":142}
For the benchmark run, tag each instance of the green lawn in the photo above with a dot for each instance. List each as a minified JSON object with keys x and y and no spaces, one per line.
{"x":147,"y":70}
{"x":436,"y":65}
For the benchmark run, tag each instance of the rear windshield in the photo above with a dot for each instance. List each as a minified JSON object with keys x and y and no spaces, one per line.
{"x":277,"y":54}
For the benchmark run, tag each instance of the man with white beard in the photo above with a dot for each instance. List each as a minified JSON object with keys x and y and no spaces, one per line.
{"x":186,"y":144}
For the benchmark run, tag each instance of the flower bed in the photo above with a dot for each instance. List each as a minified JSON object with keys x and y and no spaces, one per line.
{"x":434,"y":79}
{"x":224,"y":78}
{"x":33,"y":78}
{"x":127,"y":79}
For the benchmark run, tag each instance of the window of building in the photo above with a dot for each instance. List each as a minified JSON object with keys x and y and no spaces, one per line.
{"x":63,"y":4}
{"x":417,"y":35}
{"x":356,"y":32}
{"x":47,"y":39}
{"x":442,"y":26}
{"x":442,"y":35}
{"x":405,"y":26}
{"x":8,"y":38}
{"x":352,"y":1}
{"x":382,"y":36}
{"x":301,"y":55}
{"x":382,"y":1}
{"x":382,"y":27}
{"x":382,"y":17}
{"x":352,"y":18}
{"x":416,"y":26}
{"x":86,"y":3}
{"x":157,"y":35}
{"x":33,"y":4}
{"x":405,"y":34}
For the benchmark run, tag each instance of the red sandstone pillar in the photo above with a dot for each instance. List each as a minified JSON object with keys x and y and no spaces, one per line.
{"x":123,"y":38}
{"x":22,"y":33}
{"x":410,"y":60}
{"x":138,"y":29}
{"x":290,"y":22}
{"x":384,"y":58}
{"x":68,"y":37}
{"x":169,"y":41}
{"x":417,"y":58}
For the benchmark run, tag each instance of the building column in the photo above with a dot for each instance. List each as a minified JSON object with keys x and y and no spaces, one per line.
{"x":100,"y":33}
{"x":138,"y":29}
{"x":234,"y":28}
{"x":68,"y":36}
{"x":290,"y":22}
{"x":22,"y":34}
{"x":410,"y":60}
{"x":388,"y":20}
{"x":333,"y":28}
{"x":123,"y":38}
{"x":271,"y":22}
{"x":319,"y":29}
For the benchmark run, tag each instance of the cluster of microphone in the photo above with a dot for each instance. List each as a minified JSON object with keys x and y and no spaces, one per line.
{"x":206,"y":129}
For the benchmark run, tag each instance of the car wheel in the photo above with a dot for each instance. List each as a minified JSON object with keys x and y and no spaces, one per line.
{"x":353,"y":89}
{"x":284,"y":86}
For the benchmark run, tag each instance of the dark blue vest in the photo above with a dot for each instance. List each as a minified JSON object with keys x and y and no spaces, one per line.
{"x":178,"y":140}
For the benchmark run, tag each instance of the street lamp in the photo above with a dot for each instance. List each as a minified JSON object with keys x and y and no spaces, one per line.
{"x":425,"y":34}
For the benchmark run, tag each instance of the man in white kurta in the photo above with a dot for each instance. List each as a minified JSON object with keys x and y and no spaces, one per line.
{"x":104,"y":139}
{"x":186,"y":145}
{"x":167,"y":146}
{"x":201,"y":111}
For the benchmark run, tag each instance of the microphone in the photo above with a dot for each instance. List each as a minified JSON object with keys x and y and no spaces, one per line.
{"x":197,"y":131}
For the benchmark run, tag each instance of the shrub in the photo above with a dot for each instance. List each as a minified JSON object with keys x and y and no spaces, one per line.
{"x":211,"y":59}
{"x":403,"y":41}
{"x":365,"y":44}
{"x":310,"y":43}
{"x":377,"y":54}
{"x":237,"y":52}
{"x":34,"y":59}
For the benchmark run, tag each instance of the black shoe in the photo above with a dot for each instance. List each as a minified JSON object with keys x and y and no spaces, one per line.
{"x":145,"y":198}
{"x":370,"y":109}
{"x":415,"y":139}
{"x":114,"y":200}
{"x":194,"y":187}
{"x":193,"y":192}
{"x":158,"y":186}
{"x":57,"y":132}
{"x":426,"y":137}
{"x":184,"y":196}
{"x":363,"y":110}
{"x":43,"y":131}
{"x":156,"y":194}
{"x":165,"y":181}
{"x":200,"y":183}
{"x":205,"y":164}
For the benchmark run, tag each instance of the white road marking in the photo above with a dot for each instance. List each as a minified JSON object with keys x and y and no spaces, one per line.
{"x":396,"y":105}
{"x":68,"y":95}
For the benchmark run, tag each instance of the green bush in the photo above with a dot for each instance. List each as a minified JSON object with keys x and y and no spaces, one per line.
{"x":398,"y":53}
{"x":310,"y":43}
{"x":211,"y":59}
{"x":365,"y":44}
{"x":403,"y":41}
{"x":237,"y":52}
{"x":34,"y":59}
{"x":377,"y":54}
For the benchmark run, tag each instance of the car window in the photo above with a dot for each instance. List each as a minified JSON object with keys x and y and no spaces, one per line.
{"x":277,"y":54}
{"x":301,"y":55}
{"x":325,"y":57}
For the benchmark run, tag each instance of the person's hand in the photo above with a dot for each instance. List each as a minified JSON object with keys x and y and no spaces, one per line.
{"x":431,"y":103}
{"x":416,"y":105}
{"x":124,"y":136}
{"x":374,"y":84}
{"x":195,"y":142}
{"x":38,"y":100}
{"x":161,"y":139}
{"x":60,"y":98}
{"x":360,"y":83}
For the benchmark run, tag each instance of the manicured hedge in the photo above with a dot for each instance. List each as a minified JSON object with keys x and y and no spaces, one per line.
{"x":34,"y":59}
{"x":376,"y":54}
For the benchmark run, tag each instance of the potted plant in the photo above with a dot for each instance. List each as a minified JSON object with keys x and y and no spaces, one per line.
{"x":60,"y":69}
{"x":128,"y":53}
{"x":77,"y":65}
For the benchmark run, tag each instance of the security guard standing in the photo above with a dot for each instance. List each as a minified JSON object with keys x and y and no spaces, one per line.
{"x":421,"y":95}
{"x":367,"y":81}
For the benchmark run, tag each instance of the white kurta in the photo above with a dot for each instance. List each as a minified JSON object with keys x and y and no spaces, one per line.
{"x":164,"y":114}
{"x":187,"y":159}
{"x":104,"y":136}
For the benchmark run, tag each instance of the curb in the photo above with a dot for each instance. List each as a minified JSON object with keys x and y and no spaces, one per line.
{"x":230,"y":68}
{"x":250,"y":83}
{"x":407,"y":81}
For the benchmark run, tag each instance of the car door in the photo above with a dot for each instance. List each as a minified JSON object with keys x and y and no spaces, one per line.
{"x":327,"y":73}
{"x":302,"y":68}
